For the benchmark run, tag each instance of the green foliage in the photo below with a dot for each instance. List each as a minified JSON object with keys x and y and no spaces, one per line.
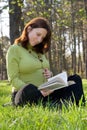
{"x":39,"y":118}
{"x":19,"y":2}
{"x":13,"y":4}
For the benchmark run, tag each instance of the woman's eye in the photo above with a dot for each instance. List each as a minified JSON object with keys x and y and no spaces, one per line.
{"x":38,"y":34}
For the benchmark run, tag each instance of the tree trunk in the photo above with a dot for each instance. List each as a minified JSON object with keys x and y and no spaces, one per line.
{"x":74,"y":37}
{"x":15,"y":19}
{"x":85,"y":3}
{"x":79,"y":55}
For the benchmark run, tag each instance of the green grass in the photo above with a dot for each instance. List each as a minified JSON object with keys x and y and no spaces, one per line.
{"x":39,"y":118}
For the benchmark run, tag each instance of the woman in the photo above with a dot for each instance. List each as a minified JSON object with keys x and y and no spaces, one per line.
{"x":28,"y":68}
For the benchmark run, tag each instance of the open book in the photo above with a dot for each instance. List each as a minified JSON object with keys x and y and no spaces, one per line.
{"x":56,"y":82}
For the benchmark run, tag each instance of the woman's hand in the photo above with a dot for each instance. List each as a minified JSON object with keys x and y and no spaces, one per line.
{"x":47,"y":73}
{"x":46,"y":92}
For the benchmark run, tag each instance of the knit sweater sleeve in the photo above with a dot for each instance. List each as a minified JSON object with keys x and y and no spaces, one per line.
{"x":12,"y":63}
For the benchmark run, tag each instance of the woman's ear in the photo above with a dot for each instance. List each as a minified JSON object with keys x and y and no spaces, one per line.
{"x":29,"y":29}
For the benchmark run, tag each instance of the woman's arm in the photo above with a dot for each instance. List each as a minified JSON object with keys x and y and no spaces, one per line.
{"x":12,"y":63}
{"x":47,"y":74}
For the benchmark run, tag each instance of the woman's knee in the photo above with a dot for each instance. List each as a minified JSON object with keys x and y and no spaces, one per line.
{"x":28,"y":94}
{"x":77,"y":79}
{"x":19,"y":99}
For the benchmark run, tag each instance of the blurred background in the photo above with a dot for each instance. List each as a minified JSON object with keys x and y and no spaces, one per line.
{"x":68,"y":21}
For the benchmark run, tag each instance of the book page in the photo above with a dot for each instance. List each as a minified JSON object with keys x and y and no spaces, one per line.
{"x":62,"y":78}
{"x":53,"y":86}
{"x":59,"y":80}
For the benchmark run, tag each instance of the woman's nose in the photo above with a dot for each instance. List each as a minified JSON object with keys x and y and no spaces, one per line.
{"x":39,"y":40}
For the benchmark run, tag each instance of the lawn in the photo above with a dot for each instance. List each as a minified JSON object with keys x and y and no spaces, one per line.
{"x":39,"y":118}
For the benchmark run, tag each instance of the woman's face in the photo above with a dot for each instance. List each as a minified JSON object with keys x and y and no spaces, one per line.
{"x":36,"y":35}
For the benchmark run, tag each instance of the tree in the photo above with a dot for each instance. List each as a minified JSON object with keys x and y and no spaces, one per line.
{"x":85,"y":3}
{"x":4,"y":44}
{"x":15,"y":15}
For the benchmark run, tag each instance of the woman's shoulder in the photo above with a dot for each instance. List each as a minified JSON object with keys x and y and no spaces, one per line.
{"x":14,"y":47}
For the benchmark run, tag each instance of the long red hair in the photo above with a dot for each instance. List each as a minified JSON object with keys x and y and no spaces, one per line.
{"x":38,"y":22}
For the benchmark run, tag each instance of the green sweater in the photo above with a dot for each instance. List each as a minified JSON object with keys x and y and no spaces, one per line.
{"x":24,"y":67}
